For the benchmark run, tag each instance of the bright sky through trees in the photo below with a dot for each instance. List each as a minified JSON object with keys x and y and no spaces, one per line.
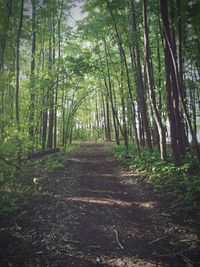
{"x":77,"y":13}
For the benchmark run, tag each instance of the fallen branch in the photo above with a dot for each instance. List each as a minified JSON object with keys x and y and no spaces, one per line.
{"x":158,"y":239}
{"x":117,"y":239}
{"x":187,"y":260}
{"x":176,"y":253}
{"x":42,"y":153}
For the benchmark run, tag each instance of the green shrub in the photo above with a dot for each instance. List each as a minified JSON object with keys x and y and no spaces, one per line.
{"x":182,"y":182}
{"x":17,"y":186}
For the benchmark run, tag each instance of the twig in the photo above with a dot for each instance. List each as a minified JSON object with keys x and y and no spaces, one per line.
{"x":175,"y":253}
{"x":109,"y":196}
{"x":117,"y":239}
{"x":187,"y":260}
{"x":158,"y":239}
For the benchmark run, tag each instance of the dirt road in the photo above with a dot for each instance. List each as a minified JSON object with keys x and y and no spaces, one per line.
{"x":97,"y":213}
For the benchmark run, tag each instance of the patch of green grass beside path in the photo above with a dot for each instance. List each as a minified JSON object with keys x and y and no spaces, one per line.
{"x":17,"y":188}
{"x":179,"y":185}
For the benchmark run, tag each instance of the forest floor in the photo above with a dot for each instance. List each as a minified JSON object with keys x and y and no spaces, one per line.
{"x":95,"y":212}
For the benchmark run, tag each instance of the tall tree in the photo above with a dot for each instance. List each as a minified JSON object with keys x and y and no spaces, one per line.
{"x":150,"y":85}
{"x":32,"y":89}
{"x":18,"y":64}
{"x":136,"y":62}
{"x":174,"y":89}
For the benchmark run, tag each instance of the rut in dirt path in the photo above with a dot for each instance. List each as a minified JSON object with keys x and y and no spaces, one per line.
{"x":96,"y":213}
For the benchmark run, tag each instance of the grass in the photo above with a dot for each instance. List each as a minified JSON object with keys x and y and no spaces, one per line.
{"x":17,"y":187}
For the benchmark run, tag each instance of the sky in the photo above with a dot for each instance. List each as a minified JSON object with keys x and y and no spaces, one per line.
{"x":76,"y":13}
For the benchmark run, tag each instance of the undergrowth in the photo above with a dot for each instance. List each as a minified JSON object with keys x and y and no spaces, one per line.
{"x":17,"y":186}
{"x":181,"y":183}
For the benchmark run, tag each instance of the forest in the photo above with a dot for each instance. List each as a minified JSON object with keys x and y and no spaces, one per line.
{"x":119,"y":75}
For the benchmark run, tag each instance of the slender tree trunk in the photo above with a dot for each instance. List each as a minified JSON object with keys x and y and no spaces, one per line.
{"x":107,"y":106}
{"x":32,"y":89}
{"x":97,"y":117}
{"x":56,"y":90}
{"x":108,"y":124}
{"x":150,"y":85}
{"x":110,"y":93}
{"x":180,"y":63}
{"x":63,"y":116}
{"x":104,"y":115}
{"x":135,"y":57}
{"x":44,"y":115}
{"x":176,"y":49}
{"x":123,"y":58}
{"x":3,"y":42}
{"x":18,"y":65}
{"x":159,"y":73}
{"x":173,"y":84}
{"x":51,"y":96}
{"x":171,"y":94}
{"x":125,"y":131}
{"x":44,"y":123}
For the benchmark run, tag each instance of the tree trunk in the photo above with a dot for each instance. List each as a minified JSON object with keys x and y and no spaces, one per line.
{"x":32,"y":89}
{"x":150,"y":85}
{"x":173,"y":85}
{"x":135,"y":57}
{"x":51,"y":97}
{"x":18,"y":65}
{"x":171,"y":94}
{"x":3,"y":42}
{"x":111,"y":94}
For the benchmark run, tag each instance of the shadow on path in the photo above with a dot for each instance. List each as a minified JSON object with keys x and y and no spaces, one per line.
{"x":97,"y":213}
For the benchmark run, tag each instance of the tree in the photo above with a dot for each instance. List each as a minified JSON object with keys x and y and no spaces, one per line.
{"x":150,"y":85}
{"x":18,"y":65}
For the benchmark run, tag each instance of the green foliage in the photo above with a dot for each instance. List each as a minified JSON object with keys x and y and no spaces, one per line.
{"x":49,"y":163}
{"x":13,"y":195}
{"x":17,"y":187}
{"x":182,"y":182}
{"x":79,"y":76}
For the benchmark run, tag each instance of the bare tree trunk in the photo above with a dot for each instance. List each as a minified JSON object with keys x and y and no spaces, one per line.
{"x":3,"y":42}
{"x":51,"y":95}
{"x":135,"y":57}
{"x":44,"y":123}
{"x":172,"y":70}
{"x":104,"y":115}
{"x":150,"y":85}
{"x":123,"y":58}
{"x":63,"y":116}
{"x":108,"y":125}
{"x":56,"y":90}
{"x":32,"y":94}
{"x":111,"y":94}
{"x":171,"y":94}
{"x":107,"y":106}
{"x":18,"y":65}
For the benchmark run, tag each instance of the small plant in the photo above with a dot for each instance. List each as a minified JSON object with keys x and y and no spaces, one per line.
{"x":17,"y":187}
{"x":182,"y":182}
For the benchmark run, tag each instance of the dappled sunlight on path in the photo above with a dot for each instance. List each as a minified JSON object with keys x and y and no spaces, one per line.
{"x":97,"y":213}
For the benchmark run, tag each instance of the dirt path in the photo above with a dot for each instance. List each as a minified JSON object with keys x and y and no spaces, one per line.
{"x":97,"y":213}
